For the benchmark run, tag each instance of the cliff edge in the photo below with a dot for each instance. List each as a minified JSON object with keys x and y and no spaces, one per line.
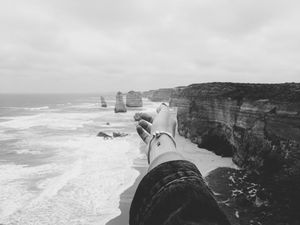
{"x":257,"y":124}
{"x":159,"y":95}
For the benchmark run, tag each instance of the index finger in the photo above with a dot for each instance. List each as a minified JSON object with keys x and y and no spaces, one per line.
{"x":146,"y":117}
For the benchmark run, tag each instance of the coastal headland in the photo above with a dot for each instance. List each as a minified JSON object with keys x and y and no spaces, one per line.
{"x":257,"y":128}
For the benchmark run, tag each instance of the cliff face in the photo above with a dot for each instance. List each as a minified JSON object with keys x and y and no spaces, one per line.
{"x":257,"y":124}
{"x":120,"y":106}
{"x":134,"y":99}
{"x":147,"y":94}
{"x":160,"y":95}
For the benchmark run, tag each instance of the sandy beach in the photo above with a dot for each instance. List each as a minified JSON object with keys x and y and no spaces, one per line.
{"x":206,"y":161}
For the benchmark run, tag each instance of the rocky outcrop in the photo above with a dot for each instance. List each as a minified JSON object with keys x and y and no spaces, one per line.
{"x":104,"y":135}
{"x":257,"y":124}
{"x":160,"y":95}
{"x":120,"y":106}
{"x":134,"y":99}
{"x":119,"y":134}
{"x":103,"y":102}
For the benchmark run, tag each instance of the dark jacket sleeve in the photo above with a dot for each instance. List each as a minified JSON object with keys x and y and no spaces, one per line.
{"x":175,"y":193}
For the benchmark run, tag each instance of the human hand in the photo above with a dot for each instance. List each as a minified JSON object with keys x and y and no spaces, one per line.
{"x":162,"y":122}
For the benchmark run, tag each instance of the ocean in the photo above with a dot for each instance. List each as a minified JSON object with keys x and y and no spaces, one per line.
{"x":53,"y":167}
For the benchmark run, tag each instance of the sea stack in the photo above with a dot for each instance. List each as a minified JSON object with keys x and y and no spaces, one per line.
{"x":120,"y":106}
{"x":134,"y":99}
{"x":103,"y":102}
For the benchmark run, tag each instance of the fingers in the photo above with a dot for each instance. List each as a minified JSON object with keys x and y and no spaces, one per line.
{"x":147,"y":117}
{"x":163,"y":115}
{"x":145,"y":125}
{"x":143,"y":134}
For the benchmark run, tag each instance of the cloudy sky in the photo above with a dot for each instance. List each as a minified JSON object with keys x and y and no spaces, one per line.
{"x":109,"y":45}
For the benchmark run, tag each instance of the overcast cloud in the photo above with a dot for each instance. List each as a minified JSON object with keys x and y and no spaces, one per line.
{"x":109,"y":45}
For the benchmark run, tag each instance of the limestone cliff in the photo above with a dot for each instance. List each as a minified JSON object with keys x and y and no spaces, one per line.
{"x":160,"y":95}
{"x":120,"y":106}
{"x":103,"y":102}
{"x":257,"y":124}
{"x":147,"y":94}
{"x":134,"y":99}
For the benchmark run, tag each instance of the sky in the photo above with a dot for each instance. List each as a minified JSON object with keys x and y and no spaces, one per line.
{"x":84,"y":46}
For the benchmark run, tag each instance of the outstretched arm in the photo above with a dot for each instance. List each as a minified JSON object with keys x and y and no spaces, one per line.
{"x":161,"y":149}
{"x":173,"y":191}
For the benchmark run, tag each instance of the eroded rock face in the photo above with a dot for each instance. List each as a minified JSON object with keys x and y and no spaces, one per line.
{"x":147,"y":94}
{"x":103,"y":102}
{"x":257,"y":124}
{"x":160,"y":95}
{"x":120,"y":106}
{"x":134,"y":99}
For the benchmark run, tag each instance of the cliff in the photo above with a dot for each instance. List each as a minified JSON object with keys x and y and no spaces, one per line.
{"x":120,"y":106}
{"x":160,"y":95}
{"x":257,"y":124}
{"x":134,"y":99}
{"x":147,"y":94}
{"x":103,"y":102}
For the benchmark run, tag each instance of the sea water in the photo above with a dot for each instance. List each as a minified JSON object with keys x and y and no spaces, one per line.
{"x":53,"y":167}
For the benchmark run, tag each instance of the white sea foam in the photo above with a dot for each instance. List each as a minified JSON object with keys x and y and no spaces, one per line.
{"x":14,"y":192}
{"x":80,"y":182}
{"x":27,"y":108}
{"x":70,"y":121}
{"x":28,"y":151}
{"x":37,"y":108}
{"x":4,"y":136}
{"x":85,"y":106}
{"x":83,"y":189}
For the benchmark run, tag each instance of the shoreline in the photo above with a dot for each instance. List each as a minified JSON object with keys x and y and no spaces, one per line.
{"x":126,"y":197}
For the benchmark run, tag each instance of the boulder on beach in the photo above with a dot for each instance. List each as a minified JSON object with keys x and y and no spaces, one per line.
{"x":103,"y":102}
{"x":134,"y":99}
{"x":120,"y":106}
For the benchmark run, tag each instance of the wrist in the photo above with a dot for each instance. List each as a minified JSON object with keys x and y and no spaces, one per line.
{"x":161,"y":142}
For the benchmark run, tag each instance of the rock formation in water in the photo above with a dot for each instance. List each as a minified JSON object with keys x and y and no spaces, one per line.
{"x":120,"y":106}
{"x":103,"y":102}
{"x":104,"y":135}
{"x":119,"y":134}
{"x":134,"y":99}
{"x":257,"y":124}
